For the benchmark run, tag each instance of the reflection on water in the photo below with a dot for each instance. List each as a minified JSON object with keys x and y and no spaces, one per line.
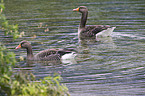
{"x":109,"y":66}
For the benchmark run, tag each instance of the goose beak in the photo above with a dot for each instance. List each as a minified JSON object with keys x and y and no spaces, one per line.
{"x":19,"y":46}
{"x":77,"y":9}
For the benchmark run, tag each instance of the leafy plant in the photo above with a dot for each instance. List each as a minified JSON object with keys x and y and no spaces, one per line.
{"x":49,"y":86}
{"x":7,"y":59}
{"x":20,"y":84}
{"x":5,"y":26}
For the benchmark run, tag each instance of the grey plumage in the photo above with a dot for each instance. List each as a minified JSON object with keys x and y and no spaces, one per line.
{"x":45,"y":55}
{"x":91,"y":31}
{"x":88,"y":31}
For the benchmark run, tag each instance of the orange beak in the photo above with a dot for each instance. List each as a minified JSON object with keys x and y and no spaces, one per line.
{"x":19,"y":46}
{"x":77,"y":9}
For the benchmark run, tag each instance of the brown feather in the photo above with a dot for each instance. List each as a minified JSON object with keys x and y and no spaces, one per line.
{"x":47,"y":55}
{"x":88,"y":31}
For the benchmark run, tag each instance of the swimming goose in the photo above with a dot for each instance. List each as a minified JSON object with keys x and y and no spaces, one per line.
{"x":46,"y":55}
{"x":93,"y":30}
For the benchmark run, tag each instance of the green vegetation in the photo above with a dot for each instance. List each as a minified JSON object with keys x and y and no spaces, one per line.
{"x":5,"y":26}
{"x":20,"y":84}
{"x":49,"y":86}
{"x":7,"y":59}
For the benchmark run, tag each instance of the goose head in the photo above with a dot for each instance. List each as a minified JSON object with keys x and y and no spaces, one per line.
{"x":81,"y":9}
{"x":24,"y":44}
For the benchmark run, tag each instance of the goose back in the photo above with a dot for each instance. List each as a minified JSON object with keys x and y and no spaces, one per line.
{"x":51,"y":54}
{"x":91,"y":31}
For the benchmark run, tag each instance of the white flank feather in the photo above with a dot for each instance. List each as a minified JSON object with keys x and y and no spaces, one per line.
{"x":105,"y":33}
{"x":69,"y":56}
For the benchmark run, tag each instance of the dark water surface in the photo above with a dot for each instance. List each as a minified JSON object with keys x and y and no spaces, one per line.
{"x":113,"y":66}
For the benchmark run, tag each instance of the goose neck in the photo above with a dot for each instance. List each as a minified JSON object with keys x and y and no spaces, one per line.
{"x":29,"y":53}
{"x":83,"y":19}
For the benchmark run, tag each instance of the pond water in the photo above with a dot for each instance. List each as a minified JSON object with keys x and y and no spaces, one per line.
{"x":114,"y":66}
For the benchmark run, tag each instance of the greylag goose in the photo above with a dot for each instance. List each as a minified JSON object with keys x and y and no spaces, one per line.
{"x":46,"y":55}
{"x":92,"y":30}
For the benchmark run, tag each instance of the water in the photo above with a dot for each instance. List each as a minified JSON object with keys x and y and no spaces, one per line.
{"x":114,"y":66}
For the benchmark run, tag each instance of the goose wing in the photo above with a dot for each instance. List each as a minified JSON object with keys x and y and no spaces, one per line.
{"x":51,"y":54}
{"x":48,"y":54}
{"x":91,"y":31}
